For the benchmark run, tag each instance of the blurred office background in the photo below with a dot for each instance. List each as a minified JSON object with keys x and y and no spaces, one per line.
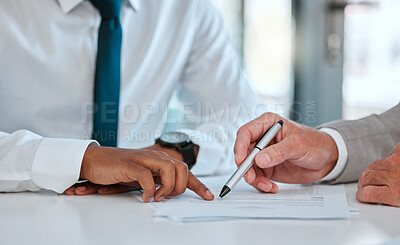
{"x":316,"y":61}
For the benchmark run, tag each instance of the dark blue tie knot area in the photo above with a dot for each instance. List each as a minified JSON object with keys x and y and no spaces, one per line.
{"x":109,"y":9}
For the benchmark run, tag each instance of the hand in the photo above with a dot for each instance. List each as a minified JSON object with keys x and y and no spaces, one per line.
{"x":88,"y":188}
{"x":298,"y":154}
{"x":124,"y":170}
{"x":172,"y":152}
{"x":380,"y":182}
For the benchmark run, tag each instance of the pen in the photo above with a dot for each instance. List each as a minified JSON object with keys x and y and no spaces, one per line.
{"x":261,"y":144}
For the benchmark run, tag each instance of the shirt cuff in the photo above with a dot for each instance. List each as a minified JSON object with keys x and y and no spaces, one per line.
{"x":210,"y":153}
{"x":57,"y":163}
{"x":343,"y":154}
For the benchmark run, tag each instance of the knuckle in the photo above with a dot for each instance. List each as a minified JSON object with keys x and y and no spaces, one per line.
{"x":182,"y":167}
{"x":389,"y":164}
{"x":365,"y":195}
{"x":240,"y":130}
{"x":362,"y":177}
{"x":243,"y":133}
{"x":180,"y":191}
{"x":277,"y":153}
{"x":368,"y":175}
{"x":170,"y":165}
{"x":168,"y":188}
{"x":268,"y":115}
{"x":163,"y":153}
{"x":167,"y":165}
{"x":148,"y":152}
{"x":141,"y":156}
{"x":394,"y":160}
{"x":374,"y":165}
{"x":144,"y":174}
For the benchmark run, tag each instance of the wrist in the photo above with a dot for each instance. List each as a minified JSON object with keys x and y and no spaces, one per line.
{"x":170,"y":151}
{"x":173,"y":152}
{"x":87,"y":159}
{"x":333,"y":153}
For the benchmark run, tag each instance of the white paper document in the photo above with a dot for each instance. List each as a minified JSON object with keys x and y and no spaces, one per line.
{"x":291,"y":202}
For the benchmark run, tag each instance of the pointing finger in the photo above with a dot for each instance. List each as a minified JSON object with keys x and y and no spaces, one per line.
{"x":199,"y":188}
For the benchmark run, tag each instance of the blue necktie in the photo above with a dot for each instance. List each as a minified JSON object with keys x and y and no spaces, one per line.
{"x":108,"y":73}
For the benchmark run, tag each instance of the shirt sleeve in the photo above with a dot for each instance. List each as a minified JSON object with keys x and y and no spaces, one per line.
{"x":216,"y":96}
{"x":30,"y":162}
{"x":342,"y":151}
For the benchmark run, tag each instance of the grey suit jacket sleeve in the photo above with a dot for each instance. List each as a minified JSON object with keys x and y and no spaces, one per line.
{"x":367,"y":140}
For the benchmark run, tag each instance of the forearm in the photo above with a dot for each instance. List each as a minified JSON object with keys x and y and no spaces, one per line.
{"x":30,"y":162}
{"x":17,"y":152}
{"x":367,"y":140}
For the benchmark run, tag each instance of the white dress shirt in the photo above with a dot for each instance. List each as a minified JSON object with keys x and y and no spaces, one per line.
{"x":342,"y":154}
{"x":47,"y":64}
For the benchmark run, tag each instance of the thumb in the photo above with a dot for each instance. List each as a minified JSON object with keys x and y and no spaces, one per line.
{"x":276,"y":154}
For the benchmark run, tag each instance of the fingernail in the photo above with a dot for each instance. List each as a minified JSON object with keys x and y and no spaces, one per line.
{"x":267,"y":159}
{"x":103,"y":189}
{"x":81,"y":188}
{"x":209,"y":193}
{"x":263,"y":187}
{"x":236,"y":156}
{"x":274,"y":189}
{"x":160,"y":198}
{"x":148,"y":199}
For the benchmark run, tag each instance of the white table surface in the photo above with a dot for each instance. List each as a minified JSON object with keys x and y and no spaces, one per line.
{"x":47,"y":218}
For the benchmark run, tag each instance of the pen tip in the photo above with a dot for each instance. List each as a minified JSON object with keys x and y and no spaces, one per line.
{"x":225,"y":190}
{"x":280,"y":122}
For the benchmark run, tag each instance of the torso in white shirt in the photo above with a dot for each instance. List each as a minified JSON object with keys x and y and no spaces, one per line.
{"x":48,"y":59}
